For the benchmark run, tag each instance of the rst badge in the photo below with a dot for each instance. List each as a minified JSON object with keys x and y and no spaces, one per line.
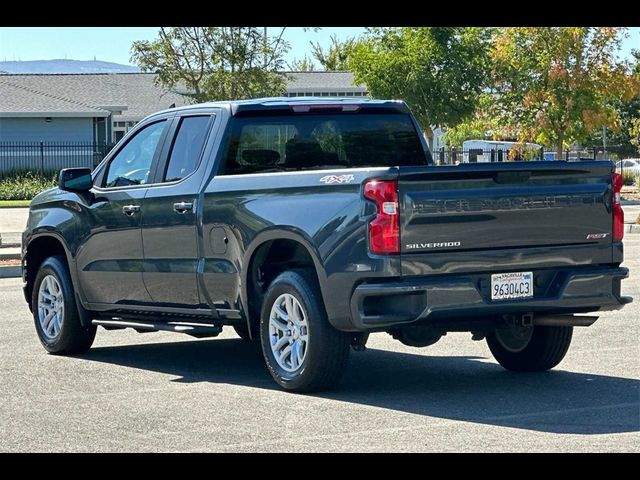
{"x":328,"y":179}
{"x":597,"y":236}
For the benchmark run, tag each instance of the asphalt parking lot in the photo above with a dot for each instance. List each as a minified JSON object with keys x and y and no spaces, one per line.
{"x":167,"y":392}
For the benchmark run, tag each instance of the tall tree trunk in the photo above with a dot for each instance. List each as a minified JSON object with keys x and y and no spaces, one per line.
{"x":559,"y":146}
{"x":429,"y":134}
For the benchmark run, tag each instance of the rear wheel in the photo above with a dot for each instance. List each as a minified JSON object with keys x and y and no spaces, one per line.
{"x":303,"y":352}
{"x":55,"y":311}
{"x":529,"y":349}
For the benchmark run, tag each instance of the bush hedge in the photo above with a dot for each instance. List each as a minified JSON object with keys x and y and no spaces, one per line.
{"x":25,"y":185}
{"x":628,"y":178}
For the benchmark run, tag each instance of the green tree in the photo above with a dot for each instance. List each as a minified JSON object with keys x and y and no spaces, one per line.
{"x":633,"y":110}
{"x":303,"y":65}
{"x":439,"y":71}
{"x":336,"y":57}
{"x":634,"y":133}
{"x":620,"y":136}
{"x":555,"y":85}
{"x":474,"y":129}
{"x":483,"y":124}
{"x":629,"y":112}
{"x":631,"y":121}
{"x":216,"y":63}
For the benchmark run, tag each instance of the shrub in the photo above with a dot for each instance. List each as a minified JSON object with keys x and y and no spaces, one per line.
{"x":25,"y":185}
{"x":628,"y":178}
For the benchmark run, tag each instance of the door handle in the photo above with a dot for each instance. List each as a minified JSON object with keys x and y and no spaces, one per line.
{"x":130,"y":209}
{"x":182,"y":207}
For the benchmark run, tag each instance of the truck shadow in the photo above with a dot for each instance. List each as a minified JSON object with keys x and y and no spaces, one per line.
{"x":468,"y":389}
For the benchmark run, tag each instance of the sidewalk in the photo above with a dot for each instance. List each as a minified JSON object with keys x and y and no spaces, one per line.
{"x":631,"y":212}
{"x":13,"y":220}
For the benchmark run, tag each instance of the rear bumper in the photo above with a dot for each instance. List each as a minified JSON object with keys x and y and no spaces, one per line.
{"x":424,"y":299}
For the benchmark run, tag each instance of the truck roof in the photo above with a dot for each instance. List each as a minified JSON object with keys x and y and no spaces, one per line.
{"x":280,"y":103}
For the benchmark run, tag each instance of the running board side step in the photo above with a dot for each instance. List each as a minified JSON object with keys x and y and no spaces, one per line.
{"x":198,"y":330}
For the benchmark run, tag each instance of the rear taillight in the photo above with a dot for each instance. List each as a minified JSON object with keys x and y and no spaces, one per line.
{"x":618,"y":213}
{"x":384,"y":230}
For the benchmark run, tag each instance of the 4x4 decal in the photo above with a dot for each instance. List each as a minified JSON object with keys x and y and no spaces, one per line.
{"x":337,"y":179}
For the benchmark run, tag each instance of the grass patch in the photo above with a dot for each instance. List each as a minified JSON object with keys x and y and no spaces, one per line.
{"x":14,"y":203}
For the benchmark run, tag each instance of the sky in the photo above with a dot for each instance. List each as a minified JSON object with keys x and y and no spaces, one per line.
{"x":113,"y":44}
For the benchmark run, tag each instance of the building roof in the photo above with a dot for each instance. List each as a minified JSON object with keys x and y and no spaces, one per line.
{"x":135,"y":94}
{"x":138,"y":92}
{"x":322,"y":82}
{"x":19,"y":100}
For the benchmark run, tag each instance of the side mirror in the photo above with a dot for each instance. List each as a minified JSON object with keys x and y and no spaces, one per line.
{"x":75,"y":179}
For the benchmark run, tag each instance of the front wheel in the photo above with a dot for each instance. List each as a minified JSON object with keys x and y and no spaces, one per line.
{"x":55,"y":312}
{"x":303,"y":352}
{"x":529,"y":349}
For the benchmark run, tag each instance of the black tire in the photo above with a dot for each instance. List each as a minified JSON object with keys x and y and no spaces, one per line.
{"x":546,"y":349}
{"x":328,"y":349}
{"x":72,"y":337}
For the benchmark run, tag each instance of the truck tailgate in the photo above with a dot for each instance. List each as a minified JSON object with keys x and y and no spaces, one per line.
{"x":560,"y":210}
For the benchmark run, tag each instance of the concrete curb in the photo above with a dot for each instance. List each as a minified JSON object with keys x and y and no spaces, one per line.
{"x":10,"y":244}
{"x":11,"y":272}
{"x":10,"y":256}
{"x":10,"y":239}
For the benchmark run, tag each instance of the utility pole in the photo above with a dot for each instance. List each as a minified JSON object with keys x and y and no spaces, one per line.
{"x":604,"y":141}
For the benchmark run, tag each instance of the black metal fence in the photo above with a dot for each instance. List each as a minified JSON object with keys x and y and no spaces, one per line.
{"x":47,"y":157}
{"x":455,"y":155}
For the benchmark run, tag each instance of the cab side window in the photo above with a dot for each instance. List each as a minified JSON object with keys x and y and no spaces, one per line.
{"x":132,"y":163}
{"x":187,"y":147}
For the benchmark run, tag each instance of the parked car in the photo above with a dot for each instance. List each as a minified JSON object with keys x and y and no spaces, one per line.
{"x":306,"y":225}
{"x":629,"y":165}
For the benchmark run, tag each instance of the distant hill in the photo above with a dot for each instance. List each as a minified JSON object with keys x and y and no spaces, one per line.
{"x":65,"y":66}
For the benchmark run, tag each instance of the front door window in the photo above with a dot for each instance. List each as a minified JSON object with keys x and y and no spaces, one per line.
{"x":132,"y":164}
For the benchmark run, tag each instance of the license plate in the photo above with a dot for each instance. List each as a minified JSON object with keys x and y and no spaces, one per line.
{"x":511,"y":285}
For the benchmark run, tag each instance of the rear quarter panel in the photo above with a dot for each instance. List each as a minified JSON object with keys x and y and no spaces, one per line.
{"x":329,"y":217}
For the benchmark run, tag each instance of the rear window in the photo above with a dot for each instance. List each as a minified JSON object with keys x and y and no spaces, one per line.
{"x":313,"y":142}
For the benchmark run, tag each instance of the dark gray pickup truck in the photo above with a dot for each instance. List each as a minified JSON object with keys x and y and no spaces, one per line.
{"x":306,"y":224}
